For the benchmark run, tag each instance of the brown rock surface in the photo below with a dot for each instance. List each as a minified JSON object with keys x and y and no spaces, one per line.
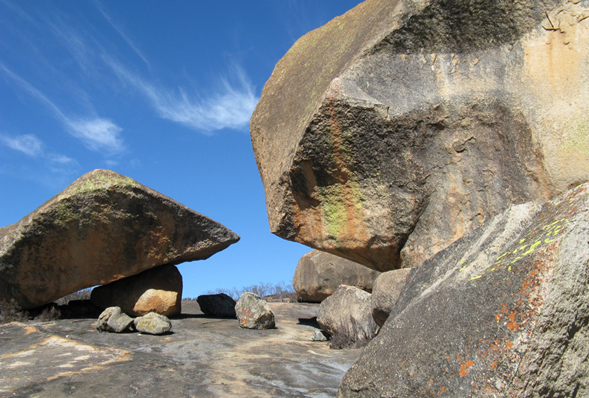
{"x":156,"y":290}
{"x":319,"y":274}
{"x":396,"y":128}
{"x":502,"y":312}
{"x":101,"y":228}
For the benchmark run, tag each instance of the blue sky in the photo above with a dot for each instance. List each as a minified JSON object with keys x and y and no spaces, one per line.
{"x":160,"y":91}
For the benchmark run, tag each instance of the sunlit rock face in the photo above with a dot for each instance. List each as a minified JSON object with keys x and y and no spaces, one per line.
{"x":101,"y":228}
{"x":398,"y":127}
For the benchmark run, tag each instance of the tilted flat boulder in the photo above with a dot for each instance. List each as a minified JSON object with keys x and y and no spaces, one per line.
{"x":502,"y":312}
{"x":319,"y":274}
{"x":101,"y":228}
{"x":157,"y":290}
{"x":391,"y":131}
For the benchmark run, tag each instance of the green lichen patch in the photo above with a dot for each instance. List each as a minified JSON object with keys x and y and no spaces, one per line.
{"x":100,"y":180}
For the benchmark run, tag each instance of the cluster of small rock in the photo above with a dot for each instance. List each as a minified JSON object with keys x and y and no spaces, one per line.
{"x":114,"y":320}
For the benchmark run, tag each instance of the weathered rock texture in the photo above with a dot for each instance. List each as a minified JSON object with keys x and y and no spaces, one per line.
{"x":101,"y":228}
{"x":152,"y":323}
{"x":347,"y":316}
{"x":220,"y":305}
{"x":502,"y":312}
{"x":386,"y":292}
{"x":114,"y":320}
{"x":319,"y":274}
{"x":156,"y":290}
{"x":253,"y":312}
{"x":396,"y":128}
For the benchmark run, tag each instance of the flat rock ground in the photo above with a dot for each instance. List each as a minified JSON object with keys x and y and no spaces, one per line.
{"x":203,"y":357}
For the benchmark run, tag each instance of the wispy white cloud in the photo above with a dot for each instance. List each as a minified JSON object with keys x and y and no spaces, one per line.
{"x":27,"y":144}
{"x":96,"y":133}
{"x":122,"y":33}
{"x":230,"y":107}
{"x":59,"y":159}
{"x":32,"y":146}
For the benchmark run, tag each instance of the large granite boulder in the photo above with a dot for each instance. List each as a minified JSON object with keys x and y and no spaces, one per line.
{"x":391,"y":131}
{"x":346,"y":316}
{"x":101,"y":228}
{"x":318,"y":274}
{"x":157,"y":290}
{"x":387,"y":289}
{"x":502,"y":312}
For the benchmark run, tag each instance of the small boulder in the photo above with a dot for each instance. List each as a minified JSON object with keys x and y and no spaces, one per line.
{"x":220,"y":305}
{"x":156,"y":290}
{"x":253,"y":312}
{"x":318,"y":274}
{"x":319,"y":336}
{"x":347,"y":317}
{"x":386,"y":290}
{"x":114,"y":320}
{"x":153,"y":323}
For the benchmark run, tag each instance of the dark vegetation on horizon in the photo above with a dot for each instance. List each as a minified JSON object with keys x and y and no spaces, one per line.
{"x":280,"y":290}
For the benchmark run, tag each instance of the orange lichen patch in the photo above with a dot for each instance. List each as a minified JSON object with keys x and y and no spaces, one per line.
{"x":465,"y":368}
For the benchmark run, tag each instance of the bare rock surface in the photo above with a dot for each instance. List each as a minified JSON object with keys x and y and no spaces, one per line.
{"x":101,"y":228}
{"x":347,"y":316}
{"x":157,"y":290}
{"x":398,"y":127}
{"x":386,"y":292}
{"x":253,"y":312}
{"x":203,"y":357}
{"x":220,"y":305}
{"x":318,"y":275}
{"x":502,"y":312}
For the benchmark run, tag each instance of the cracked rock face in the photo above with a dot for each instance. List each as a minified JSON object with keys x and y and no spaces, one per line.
{"x":400,"y":126}
{"x":101,"y":228}
{"x":501,"y":312}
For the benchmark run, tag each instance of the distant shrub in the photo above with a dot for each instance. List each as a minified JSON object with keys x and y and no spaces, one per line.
{"x":10,"y":311}
{"x":280,"y":290}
